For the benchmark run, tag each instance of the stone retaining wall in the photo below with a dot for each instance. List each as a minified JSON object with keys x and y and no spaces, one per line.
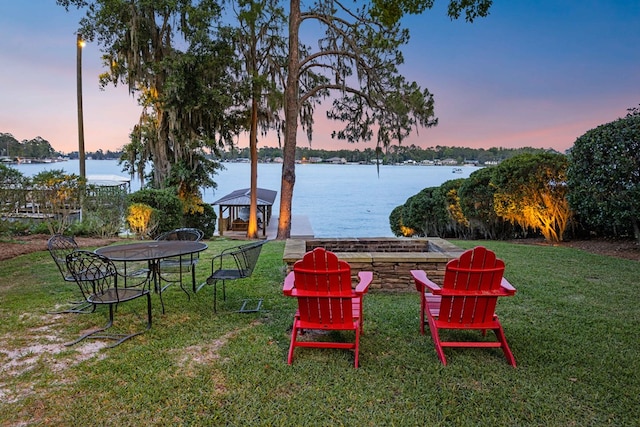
{"x":390,"y":259}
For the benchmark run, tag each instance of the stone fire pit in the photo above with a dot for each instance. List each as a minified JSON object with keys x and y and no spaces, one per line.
{"x":390,"y":259}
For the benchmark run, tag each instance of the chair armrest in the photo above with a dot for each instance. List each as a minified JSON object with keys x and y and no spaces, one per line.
{"x":366,"y":277}
{"x":510,"y":290}
{"x":220,"y":258}
{"x":227,"y":250}
{"x":289,"y":284}
{"x":422,"y":281}
{"x":213,"y":262}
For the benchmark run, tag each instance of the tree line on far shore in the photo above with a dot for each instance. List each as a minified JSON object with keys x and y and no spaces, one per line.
{"x":396,"y":154}
{"x":40,"y":148}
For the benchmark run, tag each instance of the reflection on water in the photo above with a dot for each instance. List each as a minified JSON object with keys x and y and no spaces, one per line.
{"x":339,"y":200}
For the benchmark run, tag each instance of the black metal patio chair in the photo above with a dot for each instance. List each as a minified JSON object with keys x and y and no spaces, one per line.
{"x":182,"y":264}
{"x":234,"y":263}
{"x":97,"y":278}
{"x":59,"y":247}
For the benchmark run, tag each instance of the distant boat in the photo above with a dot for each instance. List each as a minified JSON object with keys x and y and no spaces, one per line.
{"x":457,"y":170}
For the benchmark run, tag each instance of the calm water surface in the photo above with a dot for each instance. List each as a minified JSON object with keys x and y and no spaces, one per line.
{"x":339,"y":200}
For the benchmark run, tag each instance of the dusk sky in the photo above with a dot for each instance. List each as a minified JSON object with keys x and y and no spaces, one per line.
{"x":535,"y":73}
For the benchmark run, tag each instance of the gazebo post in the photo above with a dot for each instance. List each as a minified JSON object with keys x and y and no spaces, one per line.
{"x":264,"y":222}
{"x":221,"y":222}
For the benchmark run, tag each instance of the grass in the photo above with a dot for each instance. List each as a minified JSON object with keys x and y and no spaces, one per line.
{"x":573,"y":326}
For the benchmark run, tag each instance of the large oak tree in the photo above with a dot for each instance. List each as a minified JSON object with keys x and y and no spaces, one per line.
{"x":356,"y":61}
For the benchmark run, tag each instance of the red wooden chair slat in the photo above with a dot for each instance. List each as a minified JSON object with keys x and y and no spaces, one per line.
{"x":466,"y":300}
{"x":326,"y":300}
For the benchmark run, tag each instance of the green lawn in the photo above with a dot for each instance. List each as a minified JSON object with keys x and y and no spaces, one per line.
{"x":573,"y":326}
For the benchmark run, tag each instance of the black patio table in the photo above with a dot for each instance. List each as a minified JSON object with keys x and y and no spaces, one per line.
{"x":152,"y":252}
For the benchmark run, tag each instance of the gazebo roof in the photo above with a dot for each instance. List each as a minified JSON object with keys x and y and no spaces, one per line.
{"x":108,"y":180}
{"x":243,"y":198}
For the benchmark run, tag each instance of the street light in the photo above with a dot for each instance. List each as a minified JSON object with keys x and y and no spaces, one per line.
{"x":80,"y":44}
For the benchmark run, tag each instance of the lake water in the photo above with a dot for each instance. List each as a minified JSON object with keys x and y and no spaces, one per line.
{"x":339,"y":200}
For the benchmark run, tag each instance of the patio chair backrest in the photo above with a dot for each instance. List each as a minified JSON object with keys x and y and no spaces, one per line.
{"x":95,"y":275}
{"x":470,"y":287}
{"x":324,"y":284}
{"x":59,"y":247}
{"x":247,"y":257}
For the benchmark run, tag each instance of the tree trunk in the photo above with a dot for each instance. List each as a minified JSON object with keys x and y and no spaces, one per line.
{"x":160,"y":150}
{"x":252,"y":229}
{"x":291,"y":109}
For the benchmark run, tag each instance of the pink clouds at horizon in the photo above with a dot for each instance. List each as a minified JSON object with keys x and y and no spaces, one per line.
{"x":108,"y":120}
{"x":106,"y":125}
{"x":460,"y":131}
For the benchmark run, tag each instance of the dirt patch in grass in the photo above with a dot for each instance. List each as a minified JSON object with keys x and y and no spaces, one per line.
{"x":43,"y":348}
{"x":21,"y":245}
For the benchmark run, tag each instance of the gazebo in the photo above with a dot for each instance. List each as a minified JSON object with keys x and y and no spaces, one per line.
{"x":234,"y":209}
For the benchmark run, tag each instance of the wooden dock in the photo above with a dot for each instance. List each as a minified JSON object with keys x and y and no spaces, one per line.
{"x":300,"y":229}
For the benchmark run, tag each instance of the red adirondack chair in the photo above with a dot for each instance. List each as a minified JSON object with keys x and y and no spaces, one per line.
{"x":467,"y":300}
{"x":326,"y":301}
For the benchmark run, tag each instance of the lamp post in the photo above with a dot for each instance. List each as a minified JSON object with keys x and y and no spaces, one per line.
{"x":80,"y":45}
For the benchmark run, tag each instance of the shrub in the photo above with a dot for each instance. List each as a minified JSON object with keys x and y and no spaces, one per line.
{"x":58,"y":196}
{"x":166,"y":202}
{"x":476,"y":200}
{"x":415,"y":214}
{"x":104,"y":210}
{"x":531,"y":191}
{"x":448,"y":216}
{"x":604,"y":180}
{"x":142,"y":219}
{"x":395,"y":221}
{"x":205,"y":221}
{"x":12,"y":193}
